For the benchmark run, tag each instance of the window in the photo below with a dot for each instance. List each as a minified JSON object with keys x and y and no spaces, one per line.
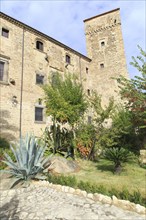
{"x":67,"y":59}
{"x":88,"y":92}
{"x":102,"y":43}
{"x":39,"y":79}
{"x":2,"y":71}
{"x":4,"y":66}
{"x":38,"y":114}
{"x":87,"y":70}
{"x":5,"y":32}
{"x":89,"y":119}
{"x":102,"y":65}
{"x":39,"y":45}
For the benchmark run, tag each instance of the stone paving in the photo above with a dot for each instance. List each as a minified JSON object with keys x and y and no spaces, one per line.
{"x":43,"y":203}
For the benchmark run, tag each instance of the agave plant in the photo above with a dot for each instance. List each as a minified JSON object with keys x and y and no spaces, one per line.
{"x":118,"y":156}
{"x":29,"y":161}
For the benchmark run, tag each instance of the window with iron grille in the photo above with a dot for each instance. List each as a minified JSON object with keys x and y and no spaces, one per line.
{"x":67,"y":59}
{"x":5,"y":32}
{"x":39,"y":79}
{"x":2,"y":64}
{"x":39,"y":45}
{"x":38,"y":114}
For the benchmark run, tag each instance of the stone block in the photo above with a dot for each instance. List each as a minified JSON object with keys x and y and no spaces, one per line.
{"x":140,"y":209}
{"x":90,"y":196}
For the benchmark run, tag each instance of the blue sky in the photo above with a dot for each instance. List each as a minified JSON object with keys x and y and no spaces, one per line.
{"x":63,"y":20}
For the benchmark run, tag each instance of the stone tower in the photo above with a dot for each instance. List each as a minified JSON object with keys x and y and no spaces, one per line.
{"x":106,"y":49}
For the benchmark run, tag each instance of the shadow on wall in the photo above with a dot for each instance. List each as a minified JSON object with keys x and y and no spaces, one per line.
{"x":7,"y":130}
{"x":9,"y":210}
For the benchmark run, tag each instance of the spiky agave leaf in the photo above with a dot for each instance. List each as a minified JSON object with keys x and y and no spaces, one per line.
{"x":29,"y":159}
{"x":9,"y":161}
{"x":17,"y":155}
{"x":39,"y":155}
{"x":45,"y":162}
{"x":15,"y":182}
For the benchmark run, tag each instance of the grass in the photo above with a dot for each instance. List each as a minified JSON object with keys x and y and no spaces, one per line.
{"x":132,"y":178}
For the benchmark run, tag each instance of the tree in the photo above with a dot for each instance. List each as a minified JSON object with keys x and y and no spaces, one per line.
{"x":122,"y":131}
{"x":118,"y":156}
{"x":134,"y":92}
{"x":101,"y":115}
{"x":65,"y":101}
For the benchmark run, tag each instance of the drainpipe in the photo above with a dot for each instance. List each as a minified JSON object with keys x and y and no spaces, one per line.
{"x":21,"y":90}
{"x":80,"y":69}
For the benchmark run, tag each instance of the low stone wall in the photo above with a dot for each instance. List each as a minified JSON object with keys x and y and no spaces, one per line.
{"x":124,"y":204}
{"x":142,"y":156}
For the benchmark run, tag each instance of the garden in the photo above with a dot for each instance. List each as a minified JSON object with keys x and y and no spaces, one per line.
{"x":106,"y":147}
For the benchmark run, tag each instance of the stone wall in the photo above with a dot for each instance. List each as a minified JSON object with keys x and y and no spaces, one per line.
{"x":106,"y":49}
{"x":24,"y":61}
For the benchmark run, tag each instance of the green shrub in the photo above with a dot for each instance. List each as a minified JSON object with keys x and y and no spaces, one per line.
{"x":71,"y":181}
{"x":118,"y":156}
{"x":4,"y":147}
{"x":88,"y":187}
{"x":9,"y":152}
{"x":124,"y":194}
{"x":4,"y":144}
{"x":137,"y":198}
{"x":63,"y":180}
{"x":114,"y":192}
{"x":142,"y":165}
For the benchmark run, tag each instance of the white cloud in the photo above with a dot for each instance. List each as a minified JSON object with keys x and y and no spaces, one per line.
{"x":63,"y":20}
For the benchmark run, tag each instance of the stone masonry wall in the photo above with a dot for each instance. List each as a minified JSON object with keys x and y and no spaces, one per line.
{"x":34,"y":62}
{"x":105,"y":47}
{"x":31,"y":61}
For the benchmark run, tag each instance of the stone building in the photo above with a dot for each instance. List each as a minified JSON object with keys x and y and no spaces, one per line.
{"x":27,"y":57}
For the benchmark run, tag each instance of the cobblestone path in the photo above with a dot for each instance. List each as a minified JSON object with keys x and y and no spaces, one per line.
{"x":44,"y":203}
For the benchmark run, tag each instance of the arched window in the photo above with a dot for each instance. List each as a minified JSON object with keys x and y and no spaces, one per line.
{"x":67,"y":59}
{"x":39,"y":45}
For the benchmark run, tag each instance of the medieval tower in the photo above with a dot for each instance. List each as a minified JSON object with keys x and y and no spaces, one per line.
{"x":27,"y":57}
{"x":106,"y":50}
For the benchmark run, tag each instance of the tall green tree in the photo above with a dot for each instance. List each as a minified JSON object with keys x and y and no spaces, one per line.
{"x":101,"y":116}
{"x":65,"y":100}
{"x":133,"y":91}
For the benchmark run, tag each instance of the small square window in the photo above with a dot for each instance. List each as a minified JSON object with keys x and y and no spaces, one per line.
{"x":67,"y":59}
{"x":38,"y":114}
{"x":39,"y":45}
{"x":39,"y":79}
{"x":5,"y":32}
{"x":102,"y":43}
{"x":102,"y":65}
{"x":87,"y":70}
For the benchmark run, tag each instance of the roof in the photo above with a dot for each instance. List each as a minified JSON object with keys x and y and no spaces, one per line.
{"x":21,"y":24}
{"x":108,"y":12}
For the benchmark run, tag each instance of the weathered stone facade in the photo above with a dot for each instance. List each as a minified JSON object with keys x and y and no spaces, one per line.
{"x":26,"y":53}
